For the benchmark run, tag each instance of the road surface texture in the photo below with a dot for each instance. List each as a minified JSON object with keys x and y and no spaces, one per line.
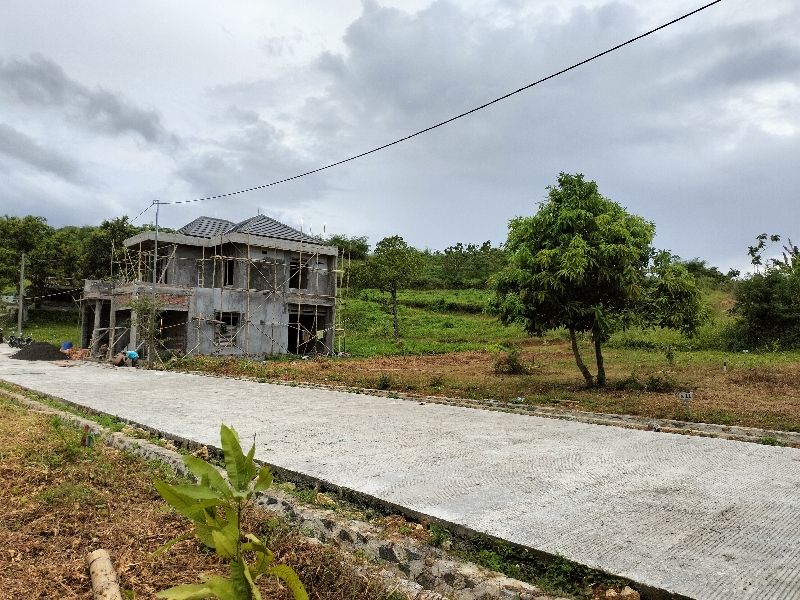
{"x":701,"y":517}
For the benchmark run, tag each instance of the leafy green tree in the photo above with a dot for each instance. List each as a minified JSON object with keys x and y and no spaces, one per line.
{"x":700,"y":269}
{"x":768,"y":302}
{"x":455,"y":261}
{"x":355,"y":248}
{"x":470,"y":265}
{"x":584,"y":263}
{"x":57,"y":254}
{"x":390,"y":268}
{"x":18,"y":235}
{"x":105,"y":243}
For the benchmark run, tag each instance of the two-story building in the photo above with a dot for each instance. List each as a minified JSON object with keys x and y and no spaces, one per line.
{"x":253,"y":288}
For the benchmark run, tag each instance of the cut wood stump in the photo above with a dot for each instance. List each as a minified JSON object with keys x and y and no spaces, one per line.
{"x":105,"y":583}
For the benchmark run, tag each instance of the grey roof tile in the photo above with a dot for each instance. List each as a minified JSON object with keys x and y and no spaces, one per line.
{"x":206,"y":227}
{"x":264,"y":226}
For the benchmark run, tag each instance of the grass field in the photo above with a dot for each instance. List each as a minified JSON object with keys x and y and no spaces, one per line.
{"x":756,"y":390}
{"x":47,"y":326}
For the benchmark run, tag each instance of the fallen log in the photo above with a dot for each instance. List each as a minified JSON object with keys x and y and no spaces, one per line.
{"x":105,"y":583}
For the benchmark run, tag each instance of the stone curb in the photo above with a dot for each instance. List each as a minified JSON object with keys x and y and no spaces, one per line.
{"x":418,"y":570}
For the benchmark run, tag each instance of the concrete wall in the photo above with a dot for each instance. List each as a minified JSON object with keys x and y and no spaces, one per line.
{"x":262,"y":288}
{"x":266,"y":333}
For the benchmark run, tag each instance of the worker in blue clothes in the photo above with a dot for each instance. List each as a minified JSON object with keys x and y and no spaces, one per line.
{"x":131,"y":358}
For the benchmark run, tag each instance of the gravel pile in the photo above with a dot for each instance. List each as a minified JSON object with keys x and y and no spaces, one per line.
{"x":39,"y":351}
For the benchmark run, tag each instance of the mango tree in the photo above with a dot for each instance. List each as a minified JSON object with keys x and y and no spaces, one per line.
{"x":583,"y":263}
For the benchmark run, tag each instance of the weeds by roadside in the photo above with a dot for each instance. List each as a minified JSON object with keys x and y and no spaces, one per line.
{"x":63,"y":500}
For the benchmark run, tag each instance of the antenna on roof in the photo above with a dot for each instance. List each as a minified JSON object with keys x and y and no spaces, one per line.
{"x":301,"y":224}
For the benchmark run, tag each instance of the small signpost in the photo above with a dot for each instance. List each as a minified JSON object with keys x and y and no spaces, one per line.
{"x":686,"y":397}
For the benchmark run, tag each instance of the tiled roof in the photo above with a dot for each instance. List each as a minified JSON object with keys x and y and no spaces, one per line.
{"x":206,"y":227}
{"x":261,"y":225}
{"x":264,"y":226}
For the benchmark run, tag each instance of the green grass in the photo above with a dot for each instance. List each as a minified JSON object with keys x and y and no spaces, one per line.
{"x":554,"y":574}
{"x":368,"y":325}
{"x":438,"y":321}
{"x":466,"y":301}
{"x":52,"y":326}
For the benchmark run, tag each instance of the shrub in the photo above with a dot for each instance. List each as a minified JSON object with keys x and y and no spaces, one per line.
{"x":768,"y":304}
{"x":669,"y":354}
{"x":656,"y":382}
{"x":384,"y":382}
{"x":509,"y":364}
{"x":630,"y":383}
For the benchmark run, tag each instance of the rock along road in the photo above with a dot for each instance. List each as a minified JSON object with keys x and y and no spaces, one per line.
{"x":701,"y":517}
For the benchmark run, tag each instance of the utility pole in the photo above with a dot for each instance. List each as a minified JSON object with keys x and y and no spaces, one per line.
{"x":21,"y":307}
{"x":152,"y":322}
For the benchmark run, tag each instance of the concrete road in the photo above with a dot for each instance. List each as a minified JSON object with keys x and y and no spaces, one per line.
{"x":706,"y":518}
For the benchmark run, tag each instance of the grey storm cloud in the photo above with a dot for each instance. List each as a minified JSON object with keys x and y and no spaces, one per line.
{"x":23,"y":148}
{"x":39,"y":82}
{"x":695,"y":127}
{"x":656,"y":114}
{"x":255,"y":152}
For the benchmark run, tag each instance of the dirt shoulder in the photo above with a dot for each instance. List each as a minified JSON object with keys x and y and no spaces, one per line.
{"x":62,"y":500}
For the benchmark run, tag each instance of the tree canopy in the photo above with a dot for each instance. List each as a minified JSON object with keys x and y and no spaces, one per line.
{"x":70,"y":253}
{"x":470,"y":265}
{"x":351,"y":248}
{"x":583,"y":263}
{"x":391,"y":267}
{"x":768,"y":302}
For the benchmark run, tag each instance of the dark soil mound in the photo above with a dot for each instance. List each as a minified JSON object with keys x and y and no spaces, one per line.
{"x":39,"y":351}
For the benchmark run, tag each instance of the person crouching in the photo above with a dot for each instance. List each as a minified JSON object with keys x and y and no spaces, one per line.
{"x":127,"y":358}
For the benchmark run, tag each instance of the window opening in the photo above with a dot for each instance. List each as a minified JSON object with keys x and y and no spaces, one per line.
{"x":298,"y":275}
{"x":227,"y":326}
{"x":228,"y":266}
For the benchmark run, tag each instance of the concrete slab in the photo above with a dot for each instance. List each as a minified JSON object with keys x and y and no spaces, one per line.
{"x":706,"y":518}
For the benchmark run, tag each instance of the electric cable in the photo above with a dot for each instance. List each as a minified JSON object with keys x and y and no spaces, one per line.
{"x":149,"y":206}
{"x":451,"y":119}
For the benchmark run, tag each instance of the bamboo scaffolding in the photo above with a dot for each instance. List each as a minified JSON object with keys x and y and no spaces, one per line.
{"x":278,"y":278}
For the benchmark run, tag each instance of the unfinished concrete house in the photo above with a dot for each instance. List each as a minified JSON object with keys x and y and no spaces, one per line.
{"x":255,"y":288}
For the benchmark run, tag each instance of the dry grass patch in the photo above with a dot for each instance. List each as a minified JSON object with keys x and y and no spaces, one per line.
{"x":60,"y":501}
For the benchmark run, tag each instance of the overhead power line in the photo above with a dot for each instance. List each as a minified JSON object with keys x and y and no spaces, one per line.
{"x":453,"y":118}
{"x":148,"y":207}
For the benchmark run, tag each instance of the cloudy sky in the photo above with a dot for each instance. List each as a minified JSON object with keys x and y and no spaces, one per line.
{"x":105,"y":106}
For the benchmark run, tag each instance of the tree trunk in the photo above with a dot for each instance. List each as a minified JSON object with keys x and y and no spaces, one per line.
{"x":598,"y":355}
{"x":393,"y":292}
{"x":578,"y":360}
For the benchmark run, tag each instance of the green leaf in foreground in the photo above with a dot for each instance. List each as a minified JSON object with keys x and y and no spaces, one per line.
{"x":215,"y":507}
{"x":235,"y":463}
{"x":292,"y":581}
{"x":195,"y":591}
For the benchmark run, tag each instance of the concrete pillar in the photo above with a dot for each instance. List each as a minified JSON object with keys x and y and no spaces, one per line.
{"x":112,"y":322}
{"x":98,"y":313}
{"x":133,"y":341}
